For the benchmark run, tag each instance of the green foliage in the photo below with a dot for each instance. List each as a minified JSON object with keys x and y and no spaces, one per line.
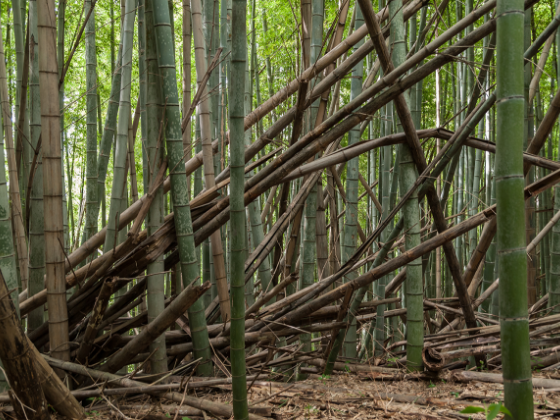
{"x":491,"y":412}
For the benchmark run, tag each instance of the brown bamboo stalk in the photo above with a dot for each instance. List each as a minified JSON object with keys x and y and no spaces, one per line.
{"x":427,"y":246}
{"x":322,"y":241}
{"x":18,"y":362}
{"x":480,"y":251}
{"x":52,"y":181}
{"x":268,"y":203}
{"x":539,"y":69}
{"x":544,"y":129}
{"x":95,"y":320}
{"x":155,"y":328}
{"x":213,"y":407}
{"x":419,"y":159}
{"x":54,"y":389}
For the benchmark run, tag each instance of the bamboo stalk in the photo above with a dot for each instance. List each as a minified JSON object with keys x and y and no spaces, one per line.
{"x":155,"y":328}
{"x":18,"y":362}
{"x":52,"y":182}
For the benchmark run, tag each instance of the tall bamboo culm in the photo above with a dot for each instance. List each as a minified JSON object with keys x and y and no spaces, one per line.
{"x":554,"y":282}
{"x":36,"y":222}
{"x":92,"y":199}
{"x":514,"y":325}
{"x":7,"y":249}
{"x":155,"y":152}
{"x":205,"y":124}
{"x":350,"y":238}
{"x":52,"y":182}
{"x":237,"y":205}
{"x":410,"y":214}
{"x":179,"y":189}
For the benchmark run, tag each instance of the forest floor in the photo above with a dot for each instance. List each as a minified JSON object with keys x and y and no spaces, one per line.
{"x":341,"y":396}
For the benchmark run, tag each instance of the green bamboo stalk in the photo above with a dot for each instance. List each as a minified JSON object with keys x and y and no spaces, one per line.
{"x":247,"y":104}
{"x":92,"y":200}
{"x":530,"y":215}
{"x":554,"y":281}
{"x":109,"y":129}
{"x":208,"y":160}
{"x":143,"y":92}
{"x":7,"y":249}
{"x":410,"y":215}
{"x":36,"y":223}
{"x":60,"y":57}
{"x":186,"y":80}
{"x":350,"y":239}
{"x":237,"y":164}
{"x":514,"y":325}
{"x":18,"y":10}
{"x":255,"y":226}
{"x":385,"y":169}
{"x":154,"y":154}
{"x":179,"y":190}
{"x":490,"y":262}
{"x":121,"y":141}
{"x":308,"y":252}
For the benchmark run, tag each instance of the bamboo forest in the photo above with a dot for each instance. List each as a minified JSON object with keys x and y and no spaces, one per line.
{"x":280,"y":209}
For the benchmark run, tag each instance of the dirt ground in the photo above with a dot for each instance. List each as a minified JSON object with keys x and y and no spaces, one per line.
{"x":341,"y":396}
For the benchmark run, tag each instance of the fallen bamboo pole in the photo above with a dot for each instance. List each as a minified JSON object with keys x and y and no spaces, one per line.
{"x":155,"y":328}
{"x":200,"y":403}
{"x":19,"y":366}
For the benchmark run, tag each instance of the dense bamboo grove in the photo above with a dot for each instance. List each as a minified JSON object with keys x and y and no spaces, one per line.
{"x":227,"y":191}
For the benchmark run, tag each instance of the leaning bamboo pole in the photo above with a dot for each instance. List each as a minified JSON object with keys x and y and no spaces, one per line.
{"x":18,"y":361}
{"x":218,"y":409}
{"x":514,"y":325}
{"x":52,"y":182}
{"x":155,"y":328}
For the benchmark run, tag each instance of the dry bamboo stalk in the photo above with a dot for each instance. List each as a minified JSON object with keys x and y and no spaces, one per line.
{"x":268,"y":203}
{"x":467,"y":376}
{"x":540,"y":67}
{"x":370,"y":192}
{"x":19,"y":364}
{"x":155,"y":328}
{"x":202,"y":404}
{"x":56,"y":392}
{"x":480,"y":251}
{"x":52,"y":181}
{"x":95,"y":320}
{"x":14,"y":189}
